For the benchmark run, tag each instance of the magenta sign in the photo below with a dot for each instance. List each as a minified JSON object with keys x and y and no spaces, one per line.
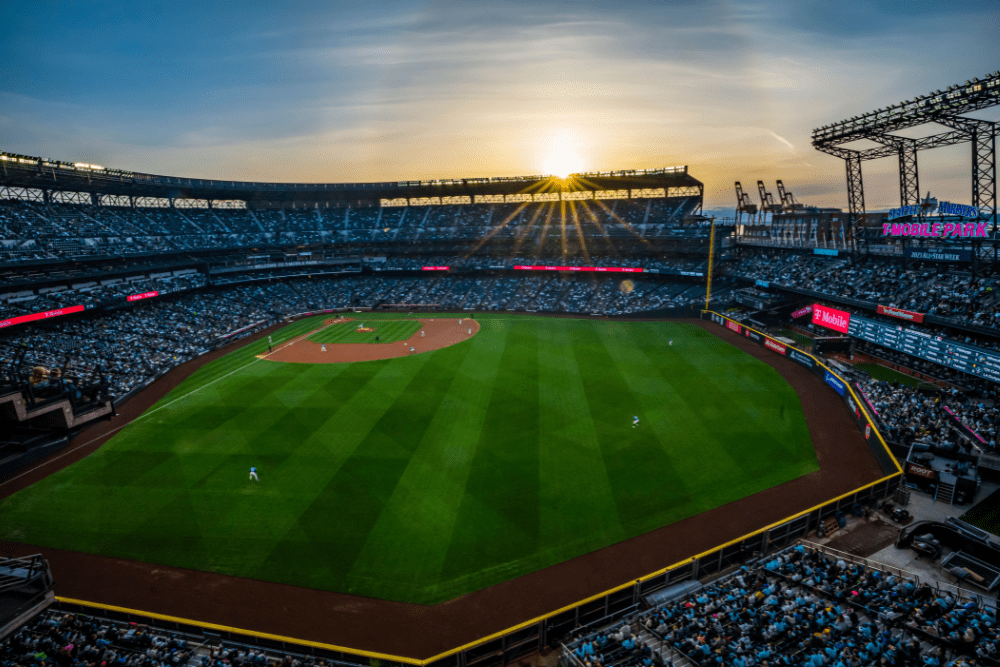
{"x":831,"y":318}
{"x":802,"y":311}
{"x":935,"y":229}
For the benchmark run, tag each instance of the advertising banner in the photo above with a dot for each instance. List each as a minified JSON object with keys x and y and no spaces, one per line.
{"x":599,"y":269}
{"x":735,"y":327}
{"x":753,"y":335}
{"x":144,"y":295}
{"x":921,"y":471}
{"x":825,"y":251}
{"x":775,"y":346}
{"x":831,"y":318}
{"x":434,"y":268}
{"x":837,"y":385}
{"x":908,"y":315}
{"x":803,"y":359}
{"x":802,"y":311}
{"x":21,"y":319}
{"x":939,"y":255}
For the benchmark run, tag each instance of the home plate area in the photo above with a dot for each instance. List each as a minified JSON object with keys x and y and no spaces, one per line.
{"x":383,"y":339}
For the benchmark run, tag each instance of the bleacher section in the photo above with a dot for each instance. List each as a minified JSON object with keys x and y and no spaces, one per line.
{"x":802,"y":607}
{"x":31,"y":231}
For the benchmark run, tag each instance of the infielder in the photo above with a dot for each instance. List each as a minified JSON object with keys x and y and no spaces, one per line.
{"x":421,"y":333}
{"x":253,"y":473}
{"x":671,"y":342}
{"x":635,"y":421}
{"x":323,"y":348}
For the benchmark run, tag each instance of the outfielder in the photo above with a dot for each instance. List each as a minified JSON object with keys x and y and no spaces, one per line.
{"x":635,"y":421}
{"x":253,"y":473}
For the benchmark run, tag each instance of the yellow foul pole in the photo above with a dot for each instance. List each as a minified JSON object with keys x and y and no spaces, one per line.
{"x":711,"y":252}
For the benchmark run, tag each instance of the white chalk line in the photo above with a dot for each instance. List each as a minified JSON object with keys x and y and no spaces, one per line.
{"x":154,"y":410}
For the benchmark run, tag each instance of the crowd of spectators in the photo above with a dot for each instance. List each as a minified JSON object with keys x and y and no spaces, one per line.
{"x":695,"y":267}
{"x":923,"y":287}
{"x":34,"y":231}
{"x":106,"y":292}
{"x":59,"y":639}
{"x":806,"y":608}
{"x":920,"y":415}
{"x":134,"y":345}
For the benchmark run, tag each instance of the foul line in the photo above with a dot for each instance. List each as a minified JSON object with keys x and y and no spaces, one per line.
{"x":154,"y":410}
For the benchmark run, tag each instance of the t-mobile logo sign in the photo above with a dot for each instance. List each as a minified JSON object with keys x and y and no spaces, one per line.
{"x":831,"y":318}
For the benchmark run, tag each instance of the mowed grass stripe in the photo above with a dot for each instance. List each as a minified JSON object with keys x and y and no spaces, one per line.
{"x":362,"y":486}
{"x":498,"y":520}
{"x":355,"y":403}
{"x":413,"y":532}
{"x":672,"y":396}
{"x":571,"y":464}
{"x":750,"y":401}
{"x":760,"y":452}
{"x":626,"y":449}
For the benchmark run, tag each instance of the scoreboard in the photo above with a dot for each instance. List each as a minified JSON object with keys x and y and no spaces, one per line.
{"x":960,"y":356}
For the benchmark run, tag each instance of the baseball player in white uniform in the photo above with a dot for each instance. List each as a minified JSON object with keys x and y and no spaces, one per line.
{"x":253,"y":473}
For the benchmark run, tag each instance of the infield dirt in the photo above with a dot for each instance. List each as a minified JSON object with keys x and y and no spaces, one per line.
{"x":438,"y":333}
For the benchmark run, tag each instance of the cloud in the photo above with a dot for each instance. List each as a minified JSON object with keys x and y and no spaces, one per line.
{"x":349,"y":92}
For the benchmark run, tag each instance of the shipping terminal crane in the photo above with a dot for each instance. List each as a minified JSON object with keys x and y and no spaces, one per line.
{"x":788,"y":202}
{"x":767,"y":204}
{"x":744,"y":205}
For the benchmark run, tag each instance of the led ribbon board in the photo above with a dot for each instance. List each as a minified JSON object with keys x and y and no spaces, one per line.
{"x":599,"y":269}
{"x":21,"y":319}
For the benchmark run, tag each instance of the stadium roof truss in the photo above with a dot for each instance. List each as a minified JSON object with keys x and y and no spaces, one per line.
{"x":941,"y":107}
{"x":98,"y":185}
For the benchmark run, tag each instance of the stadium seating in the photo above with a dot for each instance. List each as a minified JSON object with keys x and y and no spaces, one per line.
{"x":922,"y":288}
{"x":78,"y":640}
{"x":32,"y":231}
{"x":802,"y":607}
{"x":136,"y":345}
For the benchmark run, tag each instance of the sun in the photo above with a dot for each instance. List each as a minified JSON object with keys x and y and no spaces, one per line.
{"x":561,"y":156}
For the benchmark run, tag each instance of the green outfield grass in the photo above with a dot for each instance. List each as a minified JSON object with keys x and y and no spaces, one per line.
{"x":386,"y":331}
{"x":428,"y":476}
{"x":880,"y":372}
{"x":803,"y":341}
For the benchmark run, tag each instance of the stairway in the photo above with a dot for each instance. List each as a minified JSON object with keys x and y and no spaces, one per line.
{"x":945,"y":490}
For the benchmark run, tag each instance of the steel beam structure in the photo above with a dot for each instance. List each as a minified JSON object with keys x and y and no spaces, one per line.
{"x":982,"y":134}
{"x":942,"y":107}
{"x":855,"y":194}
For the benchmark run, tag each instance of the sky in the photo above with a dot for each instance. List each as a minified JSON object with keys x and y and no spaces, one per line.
{"x":352,"y":92}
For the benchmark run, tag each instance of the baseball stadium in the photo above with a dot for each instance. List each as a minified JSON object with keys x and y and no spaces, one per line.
{"x":572,"y":419}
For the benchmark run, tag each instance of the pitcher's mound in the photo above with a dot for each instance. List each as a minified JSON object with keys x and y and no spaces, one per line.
{"x":438,"y":333}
